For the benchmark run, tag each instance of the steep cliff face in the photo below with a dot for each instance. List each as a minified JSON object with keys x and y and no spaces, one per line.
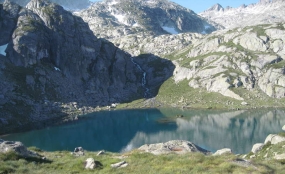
{"x":8,"y":12}
{"x":55,"y":65}
{"x":115,"y":18}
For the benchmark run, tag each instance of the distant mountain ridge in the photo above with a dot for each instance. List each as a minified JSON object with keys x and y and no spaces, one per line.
{"x":116,"y":18}
{"x":67,"y":4}
{"x":263,"y":12}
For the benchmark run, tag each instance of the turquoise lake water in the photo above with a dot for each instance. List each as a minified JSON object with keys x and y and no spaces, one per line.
{"x":123,"y":130}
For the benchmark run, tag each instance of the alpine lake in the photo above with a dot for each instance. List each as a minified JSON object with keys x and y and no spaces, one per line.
{"x":124,"y":130}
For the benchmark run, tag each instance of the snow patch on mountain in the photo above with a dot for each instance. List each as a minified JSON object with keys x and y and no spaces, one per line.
{"x":206,"y":27}
{"x":120,"y":18}
{"x":113,"y":3}
{"x":264,"y":12}
{"x":170,"y":30}
{"x":151,"y":1}
{"x":135,"y":25}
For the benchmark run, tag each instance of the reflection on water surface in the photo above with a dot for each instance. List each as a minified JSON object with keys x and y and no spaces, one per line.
{"x":124,"y":130}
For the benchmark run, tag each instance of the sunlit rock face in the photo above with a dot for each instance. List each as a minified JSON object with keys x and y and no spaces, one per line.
{"x":250,"y":58}
{"x":263,"y":12}
{"x":113,"y":19}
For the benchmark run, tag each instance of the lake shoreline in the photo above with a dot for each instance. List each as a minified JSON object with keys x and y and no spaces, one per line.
{"x":147,"y":126}
{"x":259,"y":160}
{"x":75,"y":116}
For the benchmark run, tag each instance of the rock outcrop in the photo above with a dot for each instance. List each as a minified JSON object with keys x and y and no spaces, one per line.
{"x":273,"y":148}
{"x":174,"y":146}
{"x":90,"y":163}
{"x":226,"y":60}
{"x":274,"y":139}
{"x":257,"y":147}
{"x":223,"y":151}
{"x":161,"y":45}
{"x":121,"y":164}
{"x":78,"y":151}
{"x":15,"y":146}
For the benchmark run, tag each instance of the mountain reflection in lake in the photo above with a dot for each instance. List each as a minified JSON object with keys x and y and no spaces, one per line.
{"x":124,"y":130}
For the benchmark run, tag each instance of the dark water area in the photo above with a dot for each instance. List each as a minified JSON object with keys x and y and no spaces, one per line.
{"x":123,"y":130}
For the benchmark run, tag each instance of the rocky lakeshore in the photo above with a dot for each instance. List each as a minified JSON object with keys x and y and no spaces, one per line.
{"x":173,"y":156}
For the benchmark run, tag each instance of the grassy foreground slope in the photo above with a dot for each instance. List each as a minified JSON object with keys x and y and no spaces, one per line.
{"x":138,"y":162}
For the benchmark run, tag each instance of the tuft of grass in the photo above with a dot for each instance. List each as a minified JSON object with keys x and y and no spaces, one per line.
{"x":35,"y":149}
{"x":282,"y":134}
{"x":9,"y":156}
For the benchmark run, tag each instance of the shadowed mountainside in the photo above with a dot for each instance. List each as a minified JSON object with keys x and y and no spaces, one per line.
{"x":55,"y":66}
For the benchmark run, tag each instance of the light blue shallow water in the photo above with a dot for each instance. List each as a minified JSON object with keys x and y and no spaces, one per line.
{"x":124,"y":130}
{"x":2,"y":49}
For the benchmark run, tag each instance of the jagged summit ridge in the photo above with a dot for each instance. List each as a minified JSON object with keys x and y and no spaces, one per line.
{"x":263,"y":12}
{"x":216,"y":7}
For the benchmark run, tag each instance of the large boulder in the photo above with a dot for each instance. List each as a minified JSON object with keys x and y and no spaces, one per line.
{"x":90,"y":164}
{"x":257,"y":147}
{"x":15,"y":146}
{"x":78,"y":151}
{"x":251,"y":41}
{"x":223,"y":151}
{"x":176,"y":146}
{"x":274,"y":139}
{"x":121,"y":164}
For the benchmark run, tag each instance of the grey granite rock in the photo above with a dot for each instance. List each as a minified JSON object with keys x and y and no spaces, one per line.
{"x":15,"y":146}
{"x":257,"y":147}
{"x":174,"y":146}
{"x":223,"y":151}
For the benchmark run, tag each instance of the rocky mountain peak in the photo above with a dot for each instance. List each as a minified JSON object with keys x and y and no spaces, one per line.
{"x":263,"y":12}
{"x":243,"y":6}
{"x":264,"y":1}
{"x":33,"y":4}
{"x":216,"y":7}
{"x":270,"y":1}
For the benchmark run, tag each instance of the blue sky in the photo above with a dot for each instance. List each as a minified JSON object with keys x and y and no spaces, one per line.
{"x":199,"y":6}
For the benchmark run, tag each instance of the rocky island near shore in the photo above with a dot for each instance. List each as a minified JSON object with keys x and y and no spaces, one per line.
{"x":173,"y":156}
